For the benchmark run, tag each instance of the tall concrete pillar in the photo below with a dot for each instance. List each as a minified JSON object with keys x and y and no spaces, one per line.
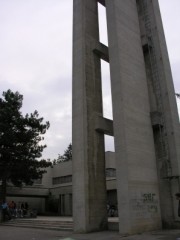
{"x":89,"y":190}
{"x":137,"y":184}
{"x":145,"y":119}
{"x":164,"y":114}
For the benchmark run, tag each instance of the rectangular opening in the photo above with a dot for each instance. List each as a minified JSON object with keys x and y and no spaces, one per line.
{"x":102,"y":24}
{"x":106,"y":90}
{"x":109,"y":143}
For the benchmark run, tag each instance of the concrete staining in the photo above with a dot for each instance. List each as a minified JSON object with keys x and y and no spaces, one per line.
{"x":145,"y":122}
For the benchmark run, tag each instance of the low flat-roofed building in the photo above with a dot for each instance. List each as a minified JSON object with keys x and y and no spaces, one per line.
{"x":53,"y":193}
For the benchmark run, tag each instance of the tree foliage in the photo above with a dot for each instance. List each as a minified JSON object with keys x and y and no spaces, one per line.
{"x":20,"y":142}
{"x":67,"y":156}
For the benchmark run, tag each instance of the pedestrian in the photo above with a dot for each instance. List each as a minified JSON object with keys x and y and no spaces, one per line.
{"x":26,"y":208}
{"x":178,"y":198}
{"x":5,"y":211}
{"x":22,"y":209}
{"x":19,"y":210}
{"x":12,"y":208}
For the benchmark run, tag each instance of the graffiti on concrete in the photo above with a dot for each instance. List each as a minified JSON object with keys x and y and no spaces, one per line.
{"x":149,"y":197}
{"x":145,"y":206}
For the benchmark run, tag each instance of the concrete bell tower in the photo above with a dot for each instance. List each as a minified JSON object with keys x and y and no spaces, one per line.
{"x":145,"y":122}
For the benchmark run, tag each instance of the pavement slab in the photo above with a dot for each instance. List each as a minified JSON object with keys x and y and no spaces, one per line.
{"x":17,"y":233}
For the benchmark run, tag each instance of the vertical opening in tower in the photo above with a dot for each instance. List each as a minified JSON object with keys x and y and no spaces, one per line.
{"x":106,"y":90}
{"x":109,"y":143}
{"x":102,"y":24}
{"x":112,"y":209}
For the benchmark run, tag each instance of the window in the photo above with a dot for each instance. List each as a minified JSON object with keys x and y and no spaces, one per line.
{"x":110,"y":172}
{"x":61,"y":180}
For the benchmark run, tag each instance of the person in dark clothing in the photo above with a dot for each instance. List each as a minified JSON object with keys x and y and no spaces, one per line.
{"x":5,"y":210}
{"x":178,"y":198}
{"x":22,"y":210}
{"x":26,"y":208}
{"x":12,"y":208}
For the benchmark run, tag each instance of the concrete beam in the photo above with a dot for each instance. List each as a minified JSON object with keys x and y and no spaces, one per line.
{"x":102,"y":51}
{"x":156,"y":119}
{"x":104,"y":125}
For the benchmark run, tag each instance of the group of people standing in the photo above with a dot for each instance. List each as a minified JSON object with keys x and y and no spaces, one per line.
{"x":13,"y":210}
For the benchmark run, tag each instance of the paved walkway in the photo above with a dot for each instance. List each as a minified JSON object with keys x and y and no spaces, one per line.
{"x":12,"y":233}
{"x":19,"y":233}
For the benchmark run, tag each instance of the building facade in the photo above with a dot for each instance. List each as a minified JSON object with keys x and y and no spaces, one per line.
{"x":52,"y":195}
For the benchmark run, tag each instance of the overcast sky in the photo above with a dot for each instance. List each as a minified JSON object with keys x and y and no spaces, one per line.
{"x":36,"y":60}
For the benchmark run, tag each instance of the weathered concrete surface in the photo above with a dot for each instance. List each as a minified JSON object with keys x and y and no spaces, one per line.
{"x":162,"y":99}
{"x":137,"y":183}
{"x":144,"y":156}
{"x":89,"y":190}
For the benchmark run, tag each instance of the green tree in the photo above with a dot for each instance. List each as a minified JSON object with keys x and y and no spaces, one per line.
{"x":67,"y":156}
{"x":20,"y":143}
